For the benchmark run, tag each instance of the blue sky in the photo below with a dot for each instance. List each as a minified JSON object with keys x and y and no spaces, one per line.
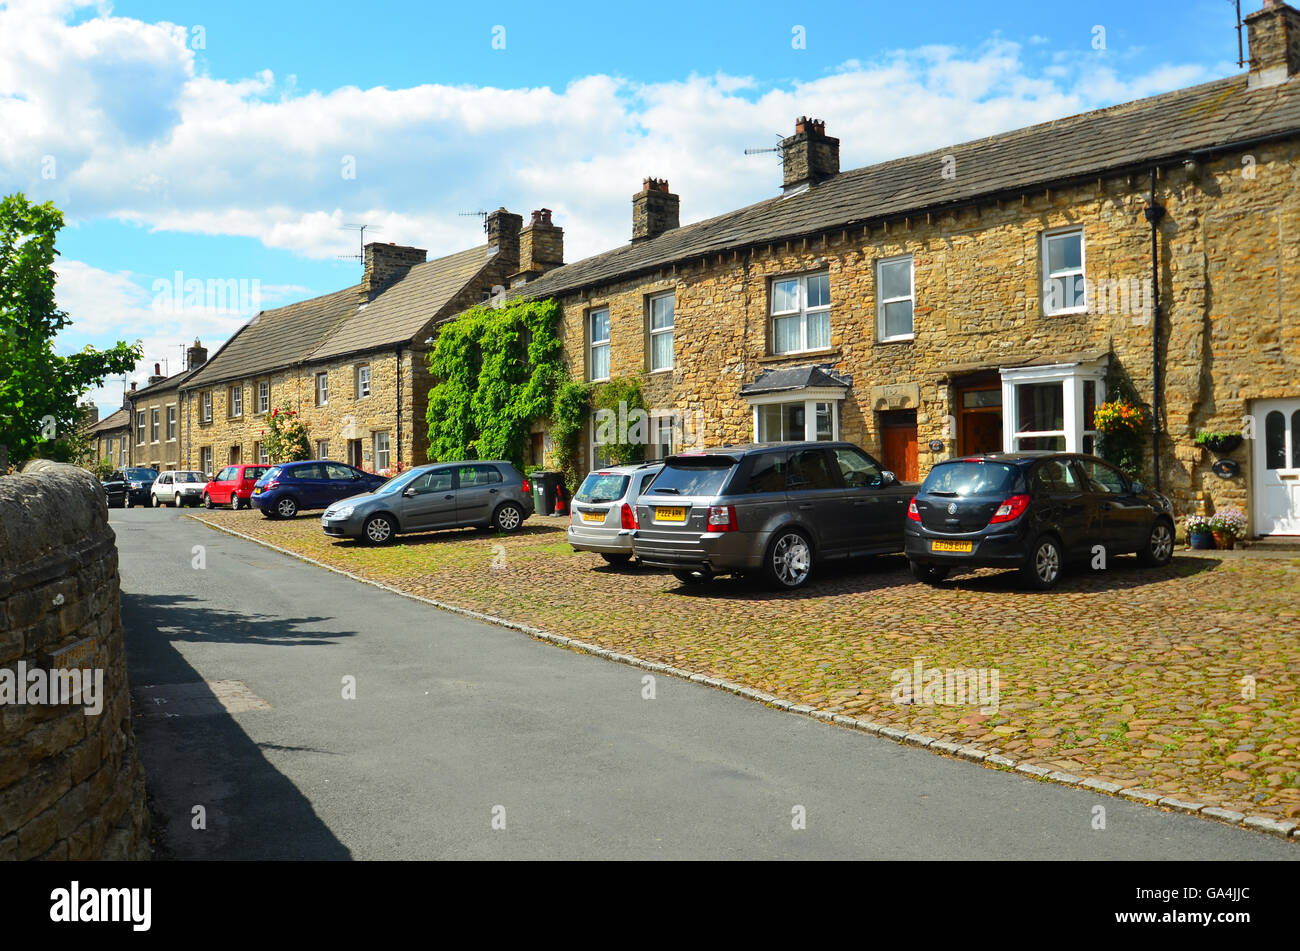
{"x":212,"y":139}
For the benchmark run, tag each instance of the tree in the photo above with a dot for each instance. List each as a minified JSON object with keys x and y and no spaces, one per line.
{"x":289,"y":439}
{"x":39,"y":389}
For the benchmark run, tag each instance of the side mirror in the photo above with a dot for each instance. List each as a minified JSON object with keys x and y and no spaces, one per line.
{"x":1139,"y":488}
{"x":888,"y":478}
{"x":409,"y":492}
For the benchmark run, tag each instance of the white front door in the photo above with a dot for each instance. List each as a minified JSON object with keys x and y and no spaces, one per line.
{"x":1277,"y":467}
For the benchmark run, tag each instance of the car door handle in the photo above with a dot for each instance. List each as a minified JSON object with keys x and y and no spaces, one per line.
{"x":448,"y":498}
{"x":805,"y":505}
{"x":492,"y":491}
{"x":863,"y":501}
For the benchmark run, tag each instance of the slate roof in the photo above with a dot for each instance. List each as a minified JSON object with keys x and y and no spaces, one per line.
{"x":1131,"y":136}
{"x":117,"y":420}
{"x":167,"y":384}
{"x":793,"y":378}
{"x":329,"y":326}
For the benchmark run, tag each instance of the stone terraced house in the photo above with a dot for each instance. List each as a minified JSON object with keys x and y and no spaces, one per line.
{"x":353,"y":363}
{"x":987,"y":296}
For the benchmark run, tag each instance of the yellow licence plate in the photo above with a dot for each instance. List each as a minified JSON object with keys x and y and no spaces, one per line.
{"x":670,"y":514}
{"x":593,"y":516}
{"x":952,"y":546}
{"x":257,"y":491}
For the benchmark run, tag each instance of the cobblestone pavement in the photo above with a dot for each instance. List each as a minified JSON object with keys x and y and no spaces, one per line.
{"x":1182,"y":680}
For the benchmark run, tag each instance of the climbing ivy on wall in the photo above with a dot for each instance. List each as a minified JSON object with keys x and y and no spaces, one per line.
{"x":497,"y":372}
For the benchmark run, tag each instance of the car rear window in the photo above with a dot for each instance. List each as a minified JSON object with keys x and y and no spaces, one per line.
{"x":602,"y":487}
{"x":700,"y":476}
{"x":191,"y":477}
{"x":970,"y":479}
{"x":272,"y":473}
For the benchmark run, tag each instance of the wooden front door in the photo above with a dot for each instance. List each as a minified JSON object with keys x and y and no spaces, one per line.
{"x":981,"y":431}
{"x":898,"y":444}
{"x":354,"y":453}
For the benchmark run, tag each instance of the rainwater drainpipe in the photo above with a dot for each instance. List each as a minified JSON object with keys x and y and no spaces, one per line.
{"x":1154,"y":213}
{"x":399,"y":406}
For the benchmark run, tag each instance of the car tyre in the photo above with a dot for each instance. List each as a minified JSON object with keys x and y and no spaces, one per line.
{"x":788,"y":563}
{"x":1043,"y":569}
{"x":234,"y":502}
{"x":930,"y":574}
{"x":688,"y":576}
{"x":1159,"y":550}
{"x":153,"y":502}
{"x":207,"y":501}
{"x":508,"y":518}
{"x":286,"y":507}
{"x":621,"y":558}
{"x":379,"y":530}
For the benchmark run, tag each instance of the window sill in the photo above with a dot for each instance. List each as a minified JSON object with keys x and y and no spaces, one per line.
{"x":886,"y":341}
{"x":660,"y":371}
{"x":1069,"y":312}
{"x":800,"y":355}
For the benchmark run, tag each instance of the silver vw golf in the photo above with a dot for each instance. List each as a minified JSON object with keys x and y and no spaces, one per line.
{"x":480,"y":493}
{"x":603,"y":514}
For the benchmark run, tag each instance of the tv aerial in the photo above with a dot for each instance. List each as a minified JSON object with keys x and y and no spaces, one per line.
{"x":363,"y":229}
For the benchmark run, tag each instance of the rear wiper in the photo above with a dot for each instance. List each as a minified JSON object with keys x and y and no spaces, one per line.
{"x":666,"y":489}
{"x":946,"y":495}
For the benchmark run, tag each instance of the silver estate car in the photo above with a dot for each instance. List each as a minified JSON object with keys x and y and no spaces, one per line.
{"x":776,"y":508}
{"x":479,"y":493}
{"x":602,"y":515}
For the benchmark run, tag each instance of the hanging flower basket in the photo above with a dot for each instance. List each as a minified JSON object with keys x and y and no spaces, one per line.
{"x":1218,"y":443}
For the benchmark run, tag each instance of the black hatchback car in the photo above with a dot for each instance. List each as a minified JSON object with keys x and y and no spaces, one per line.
{"x":1035,"y":511}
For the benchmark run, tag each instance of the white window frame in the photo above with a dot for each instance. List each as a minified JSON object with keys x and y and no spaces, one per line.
{"x":121,"y":461}
{"x":205,"y":459}
{"x":171,"y":422}
{"x":260,"y":453}
{"x":1049,"y":276}
{"x":662,"y":424}
{"x":263,"y":396}
{"x":881,"y":300}
{"x":671,"y":297}
{"x":593,"y":344}
{"x":322,"y":448}
{"x":207,"y":406}
{"x":139,"y":427}
{"x":1071,"y":376}
{"x":363,"y":382}
{"x":155,"y":424}
{"x":810,"y":397}
{"x":235,"y":396}
{"x":375,"y":450}
{"x":322,"y":389}
{"x":802,"y":311}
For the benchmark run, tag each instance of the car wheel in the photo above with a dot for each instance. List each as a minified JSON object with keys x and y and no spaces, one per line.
{"x":789,"y":560}
{"x":1160,"y":545}
{"x":286,"y":507}
{"x":207,"y":501}
{"x":508,"y":518}
{"x":618,"y":559}
{"x":1043,"y":569}
{"x":234,"y":502}
{"x":379,"y":530}
{"x":930,"y":574}
{"x":153,"y":502}
{"x":692,"y":577}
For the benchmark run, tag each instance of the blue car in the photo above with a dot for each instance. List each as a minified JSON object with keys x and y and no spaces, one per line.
{"x":290,"y":487}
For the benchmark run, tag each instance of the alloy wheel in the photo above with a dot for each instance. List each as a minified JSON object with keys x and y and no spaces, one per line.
{"x":286,"y":508}
{"x":1047,"y":563}
{"x":791,"y":560}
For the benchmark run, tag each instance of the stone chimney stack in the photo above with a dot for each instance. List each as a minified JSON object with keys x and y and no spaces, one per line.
{"x":810,"y":155}
{"x":503,"y":238}
{"x":1274,"y":34}
{"x":157,"y":375}
{"x":654,"y":210}
{"x":88,"y":412}
{"x":385,"y":264}
{"x":196,"y":355}
{"x":541,"y":247}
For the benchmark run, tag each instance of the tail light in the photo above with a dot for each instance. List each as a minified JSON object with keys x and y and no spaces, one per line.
{"x":629,"y":516}
{"x":527,"y":487}
{"x":1011,"y":509}
{"x":912,"y":513}
{"x":722,"y":518}
{"x":272,"y":485}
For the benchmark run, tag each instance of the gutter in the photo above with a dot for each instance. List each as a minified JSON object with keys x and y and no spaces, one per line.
{"x":1154,"y":213}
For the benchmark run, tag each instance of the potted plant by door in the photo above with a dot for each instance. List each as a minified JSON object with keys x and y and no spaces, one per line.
{"x":1218,"y":443}
{"x":1199,"y":534}
{"x":1227,"y":526}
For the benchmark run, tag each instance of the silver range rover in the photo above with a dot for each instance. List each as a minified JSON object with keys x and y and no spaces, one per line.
{"x":778,"y":509}
{"x":602,"y":516}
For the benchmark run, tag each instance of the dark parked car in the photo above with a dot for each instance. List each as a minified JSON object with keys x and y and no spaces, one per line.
{"x":486,"y":493}
{"x":115,"y":489}
{"x":139,"y":486}
{"x":292,"y":486}
{"x":779,"y":508}
{"x":1035,"y":511}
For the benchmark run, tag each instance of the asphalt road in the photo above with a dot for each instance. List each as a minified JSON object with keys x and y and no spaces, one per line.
{"x":459,"y":726}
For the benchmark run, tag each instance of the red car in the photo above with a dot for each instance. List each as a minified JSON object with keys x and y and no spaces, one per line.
{"x":233,"y":486}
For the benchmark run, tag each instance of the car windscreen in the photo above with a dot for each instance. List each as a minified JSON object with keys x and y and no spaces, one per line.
{"x":140,"y":475}
{"x":190,"y":477}
{"x":703,"y":475}
{"x":602,"y":487}
{"x":400,"y":481}
{"x":970,"y":479}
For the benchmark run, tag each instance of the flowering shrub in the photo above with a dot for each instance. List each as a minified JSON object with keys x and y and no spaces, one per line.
{"x":1198,"y":524}
{"x":1230,"y":521}
{"x":288,"y":439}
{"x":1118,"y":416}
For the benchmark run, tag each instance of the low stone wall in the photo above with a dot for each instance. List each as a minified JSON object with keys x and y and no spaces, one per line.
{"x":71,"y":784}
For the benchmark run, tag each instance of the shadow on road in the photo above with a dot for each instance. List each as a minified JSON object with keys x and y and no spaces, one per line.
{"x":250,"y":810}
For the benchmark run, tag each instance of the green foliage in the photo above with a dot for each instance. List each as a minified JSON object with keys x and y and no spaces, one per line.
{"x":497,"y":372}
{"x":39,"y":389}
{"x":1206,"y":436}
{"x":569,"y":412}
{"x":287,"y":438}
{"x":102,"y":469}
{"x":622,"y":443}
